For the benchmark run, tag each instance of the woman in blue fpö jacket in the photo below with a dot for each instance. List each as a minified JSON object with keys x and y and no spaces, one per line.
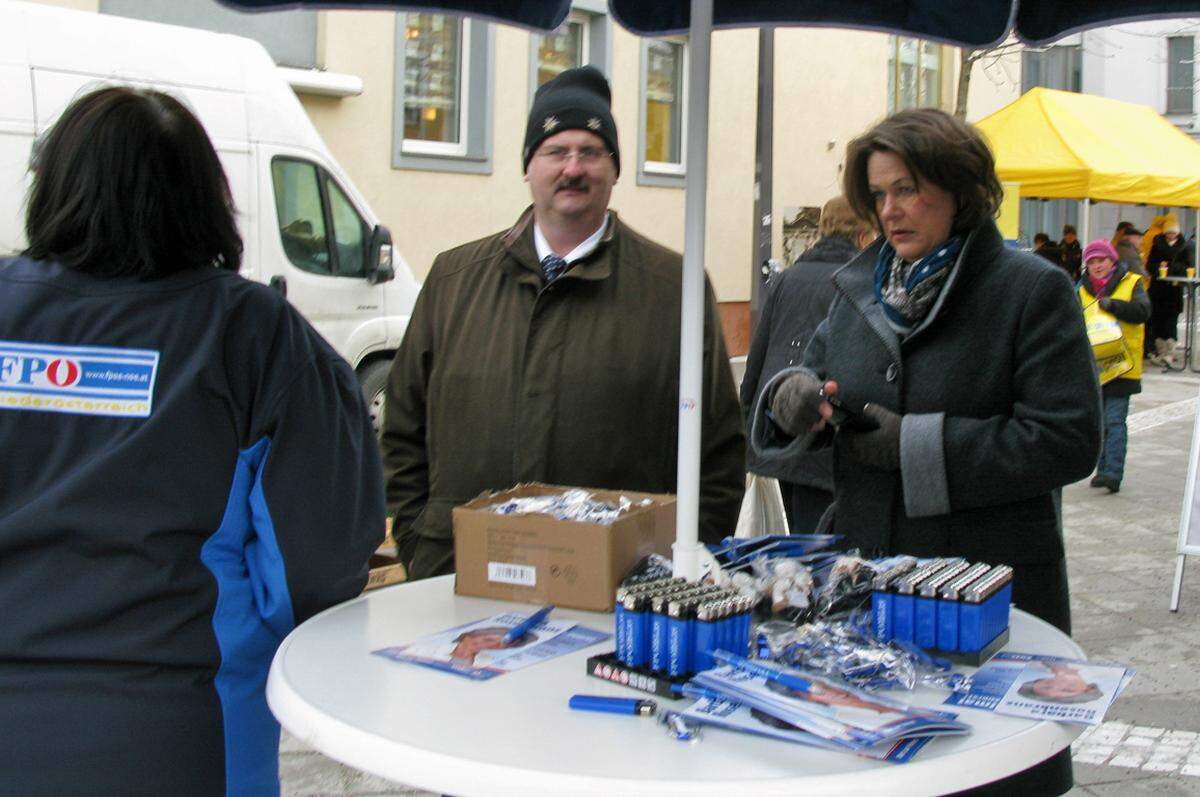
{"x":971,"y":367}
{"x":189,"y":470}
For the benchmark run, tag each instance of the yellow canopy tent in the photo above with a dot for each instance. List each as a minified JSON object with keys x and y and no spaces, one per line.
{"x":1065,"y":145}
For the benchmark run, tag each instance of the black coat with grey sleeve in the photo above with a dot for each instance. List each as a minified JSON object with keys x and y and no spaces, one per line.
{"x":1000,"y":403}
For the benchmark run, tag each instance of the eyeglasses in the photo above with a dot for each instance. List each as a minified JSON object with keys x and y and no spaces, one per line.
{"x":587,"y":156}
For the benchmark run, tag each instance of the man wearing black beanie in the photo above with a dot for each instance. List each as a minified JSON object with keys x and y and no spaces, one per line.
{"x":550,"y":352}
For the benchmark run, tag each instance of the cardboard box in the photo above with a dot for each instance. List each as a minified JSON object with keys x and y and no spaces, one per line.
{"x":385,"y":571}
{"x":537,"y":559}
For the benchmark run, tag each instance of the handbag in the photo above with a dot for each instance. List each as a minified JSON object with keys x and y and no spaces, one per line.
{"x":762,"y":510}
{"x":1113,"y":358}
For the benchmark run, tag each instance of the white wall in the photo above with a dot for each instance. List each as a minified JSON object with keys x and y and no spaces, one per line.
{"x":1129,"y":62}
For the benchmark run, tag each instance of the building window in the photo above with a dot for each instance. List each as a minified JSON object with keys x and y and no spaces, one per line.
{"x":289,"y":36}
{"x":582,"y":39}
{"x":435,"y":63}
{"x":664,"y":108}
{"x":914,"y":74}
{"x":562,"y":49}
{"x":1057,"y":67}
{"x":1181,"y":71}
{"x":443,"y":94}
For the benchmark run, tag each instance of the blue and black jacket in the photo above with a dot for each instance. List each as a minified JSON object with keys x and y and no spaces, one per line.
{"x":188,"y":471}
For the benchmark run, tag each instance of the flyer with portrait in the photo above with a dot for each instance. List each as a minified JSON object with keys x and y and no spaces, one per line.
{"x":476,"y":650}
{"x":1044,"y":687}
{"x":833,"y":711}
{"x":744,"y":719}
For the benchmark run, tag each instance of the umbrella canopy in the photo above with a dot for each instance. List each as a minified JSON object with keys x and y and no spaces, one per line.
{"x":1064,"y":145}
{"x":978,"y":23}
{"x":975,"y":23}
{"x":541,"y":14}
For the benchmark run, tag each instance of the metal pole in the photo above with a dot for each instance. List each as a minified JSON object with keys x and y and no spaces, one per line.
{"x":686,"y":552}
{"x":1086,"y":223}
{"x":764,"y":169}
{"x":1177,"y":586}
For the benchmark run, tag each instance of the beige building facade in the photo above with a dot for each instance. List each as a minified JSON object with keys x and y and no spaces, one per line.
{"x":386,"y":87}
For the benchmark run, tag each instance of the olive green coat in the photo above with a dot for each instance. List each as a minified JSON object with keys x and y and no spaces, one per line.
{"x":502,"y":379}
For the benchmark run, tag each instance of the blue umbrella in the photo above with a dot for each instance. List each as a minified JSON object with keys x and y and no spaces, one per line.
{"x":542,"y":14}
{"x":978,"y":23}
{"x":970,"y":23}
{"x":975,"y":23}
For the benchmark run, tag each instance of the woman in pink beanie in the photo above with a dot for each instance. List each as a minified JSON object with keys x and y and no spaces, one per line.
{"x":1119,"y":293}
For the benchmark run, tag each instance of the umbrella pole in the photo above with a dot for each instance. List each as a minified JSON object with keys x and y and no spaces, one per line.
{"x":686,"y":551}
{"x":1085,"y":225}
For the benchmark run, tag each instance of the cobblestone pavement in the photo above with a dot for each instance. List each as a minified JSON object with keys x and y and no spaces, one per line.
{"x":1121,"y":556}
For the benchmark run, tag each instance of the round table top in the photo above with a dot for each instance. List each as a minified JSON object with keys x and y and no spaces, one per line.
{"x":514,"y":734}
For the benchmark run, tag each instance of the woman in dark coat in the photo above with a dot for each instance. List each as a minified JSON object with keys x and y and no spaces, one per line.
{"x":797,"y":301}
{"x":969,"y":359}
{"x":1166,"y":298}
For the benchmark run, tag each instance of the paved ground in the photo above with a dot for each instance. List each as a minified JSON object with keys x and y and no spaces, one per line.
{"x":1121,"y":555}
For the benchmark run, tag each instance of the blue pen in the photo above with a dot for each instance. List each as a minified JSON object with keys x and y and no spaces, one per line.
{"x":521,"y":629}
{"x":613,"y":705}
{"x":796,"y":682}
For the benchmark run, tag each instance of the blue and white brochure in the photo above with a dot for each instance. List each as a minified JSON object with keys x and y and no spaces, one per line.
{"x":1045,"y":688}
{"x":736,"y":717}
{"x":476,"y":650}
{"x":831,"y":710}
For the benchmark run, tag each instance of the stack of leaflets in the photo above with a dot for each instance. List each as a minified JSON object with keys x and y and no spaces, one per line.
{"x":1044,"y":688}
{"x":809,"y":709}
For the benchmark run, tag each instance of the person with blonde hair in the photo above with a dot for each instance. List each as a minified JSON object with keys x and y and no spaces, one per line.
{"x":796,"y":302}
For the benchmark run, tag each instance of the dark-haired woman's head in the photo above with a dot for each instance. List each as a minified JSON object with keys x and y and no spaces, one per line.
{"x":126,"y":183}
{"x":922,"y":176}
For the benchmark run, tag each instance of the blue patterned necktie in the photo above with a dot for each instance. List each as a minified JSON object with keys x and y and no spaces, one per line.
{"x":553,"y":266}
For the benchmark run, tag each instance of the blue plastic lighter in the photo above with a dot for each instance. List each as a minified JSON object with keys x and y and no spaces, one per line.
{"x":613,"y":705}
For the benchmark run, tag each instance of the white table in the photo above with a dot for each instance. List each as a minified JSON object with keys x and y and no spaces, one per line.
{"x":1189,"y":285}
{"x":514,"y":735}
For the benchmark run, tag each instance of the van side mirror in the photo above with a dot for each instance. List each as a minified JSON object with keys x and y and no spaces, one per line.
{"x":379,"y":256}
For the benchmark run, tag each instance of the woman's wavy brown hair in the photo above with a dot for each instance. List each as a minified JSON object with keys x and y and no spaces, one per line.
{"x":937,"y":147}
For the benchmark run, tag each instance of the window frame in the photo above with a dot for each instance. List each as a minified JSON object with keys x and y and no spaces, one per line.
{"x":1059,"y":66}
{"x":597,"y":39}
{"x":581,"y":18}
{"x":472,"y":154}
{"x":458,"y":149}
{"x":660,"y":173}
{"x":1178,"y":108}
{"x":323,"y":176}
{"x":894,"y":64}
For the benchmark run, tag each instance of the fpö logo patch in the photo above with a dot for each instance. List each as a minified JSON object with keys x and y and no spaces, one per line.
{"x":81,"y":380}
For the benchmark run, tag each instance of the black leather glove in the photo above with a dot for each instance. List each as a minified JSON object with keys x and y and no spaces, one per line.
{"x":1106,"y":304}
{"x":795,"y":405}
{"x":878,"y":448}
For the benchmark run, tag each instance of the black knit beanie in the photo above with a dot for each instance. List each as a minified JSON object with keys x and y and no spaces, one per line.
{"x":577,"y":99}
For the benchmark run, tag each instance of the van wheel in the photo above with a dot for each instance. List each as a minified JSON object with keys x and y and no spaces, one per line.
{"x":373,"y":379}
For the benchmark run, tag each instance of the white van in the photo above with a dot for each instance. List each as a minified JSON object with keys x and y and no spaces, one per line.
{"x":306,"y":229}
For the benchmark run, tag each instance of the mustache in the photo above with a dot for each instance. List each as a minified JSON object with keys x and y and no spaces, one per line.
{"x":572,"y":184}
